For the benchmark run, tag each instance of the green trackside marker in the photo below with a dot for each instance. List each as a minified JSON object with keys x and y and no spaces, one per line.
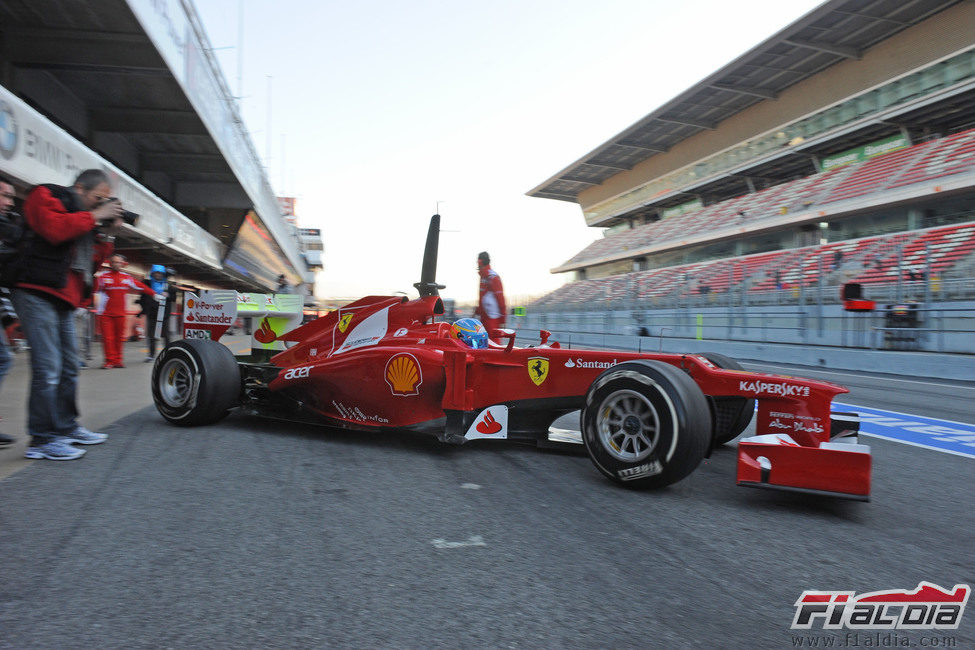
{"x":519,"y":311}
{"x":700,"y":327}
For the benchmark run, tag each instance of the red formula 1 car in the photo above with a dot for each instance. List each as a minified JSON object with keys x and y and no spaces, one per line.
{"x":383,"y":362}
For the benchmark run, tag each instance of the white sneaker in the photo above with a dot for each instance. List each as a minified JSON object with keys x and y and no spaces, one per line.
{"x":57,"y":449}
{"x":83,"y":436}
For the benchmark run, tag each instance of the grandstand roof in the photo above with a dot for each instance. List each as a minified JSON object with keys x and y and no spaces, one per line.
{"x":833,"y":32}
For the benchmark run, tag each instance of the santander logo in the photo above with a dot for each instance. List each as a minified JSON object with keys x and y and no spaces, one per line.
{"x":265,"y":334}
{"x":488,"y":425}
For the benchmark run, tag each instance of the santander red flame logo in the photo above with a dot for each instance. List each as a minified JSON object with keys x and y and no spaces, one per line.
{"x":265,"y":334}
{"x":488,"y":425}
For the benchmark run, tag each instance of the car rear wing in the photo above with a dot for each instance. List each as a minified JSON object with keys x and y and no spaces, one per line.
{"x":209,"y":314}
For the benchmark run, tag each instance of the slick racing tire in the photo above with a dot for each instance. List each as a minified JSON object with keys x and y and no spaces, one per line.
{"x":731,"y":415}
{"x":195,"y":382}
{"x":646,"y":424}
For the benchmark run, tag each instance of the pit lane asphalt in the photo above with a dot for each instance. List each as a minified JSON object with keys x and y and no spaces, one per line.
{"x":261,"y":533}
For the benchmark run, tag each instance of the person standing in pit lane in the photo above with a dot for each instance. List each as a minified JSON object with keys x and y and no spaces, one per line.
{"x":115,"y":284}
{"x":73,"y":230}
{"x":7,"y":197}
{"x":158,"y":281}
{"x":490,"y":308}
{"x":283,"y":286}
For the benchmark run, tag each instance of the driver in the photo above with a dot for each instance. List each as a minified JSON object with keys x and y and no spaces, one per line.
{"x":470,"y":332}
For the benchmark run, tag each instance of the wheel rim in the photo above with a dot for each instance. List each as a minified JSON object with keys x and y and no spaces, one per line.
{"x":175,"y":383}
{"x":628,"y":425}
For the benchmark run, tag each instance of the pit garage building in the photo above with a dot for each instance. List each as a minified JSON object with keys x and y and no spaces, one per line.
{"x":131,"y":86}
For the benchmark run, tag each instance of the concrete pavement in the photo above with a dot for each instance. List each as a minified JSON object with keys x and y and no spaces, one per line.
{"x":104,"y":396}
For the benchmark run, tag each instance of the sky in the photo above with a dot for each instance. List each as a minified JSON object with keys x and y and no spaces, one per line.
{"x":382,"y":112}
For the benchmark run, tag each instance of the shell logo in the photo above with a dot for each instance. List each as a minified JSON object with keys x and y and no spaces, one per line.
{"x":191,"y":303}
{"x":403,"y":374}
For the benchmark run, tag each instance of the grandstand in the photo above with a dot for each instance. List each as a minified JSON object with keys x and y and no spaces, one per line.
{"x":870,"y":260}
{"x":840,"y":150}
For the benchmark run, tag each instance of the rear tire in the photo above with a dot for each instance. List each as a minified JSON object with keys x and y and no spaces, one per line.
{"x":645,"y":424}
{"x":195,"y":382}
{"x":731,"y":415}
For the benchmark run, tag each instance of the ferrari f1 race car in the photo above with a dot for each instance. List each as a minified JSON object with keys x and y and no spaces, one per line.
{"x":384,"y":362}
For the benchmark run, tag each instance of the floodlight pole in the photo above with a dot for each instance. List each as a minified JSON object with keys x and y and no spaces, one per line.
{"x":240,"y":50}
{"x":267,"y":149}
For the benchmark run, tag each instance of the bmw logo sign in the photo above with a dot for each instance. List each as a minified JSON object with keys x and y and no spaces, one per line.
{"x":8,"y":131}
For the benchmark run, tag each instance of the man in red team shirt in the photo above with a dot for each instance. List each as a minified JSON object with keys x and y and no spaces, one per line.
{"x":115,"y":284}
{"x":490,"y":307}
{"x":72,"y":234}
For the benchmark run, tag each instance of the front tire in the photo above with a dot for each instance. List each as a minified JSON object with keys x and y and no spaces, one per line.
{"x":645,"y":424}
{"x":195,"y":382}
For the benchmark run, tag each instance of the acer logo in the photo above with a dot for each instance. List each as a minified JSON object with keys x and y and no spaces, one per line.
{"x":298,"y":373}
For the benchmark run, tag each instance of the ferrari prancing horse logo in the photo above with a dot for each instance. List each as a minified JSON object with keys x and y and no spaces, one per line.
{"x":344,"y":321}
{"x":538,"y":369}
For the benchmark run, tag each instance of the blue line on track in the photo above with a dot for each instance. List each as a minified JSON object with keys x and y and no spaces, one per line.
{"x":941,"y":435}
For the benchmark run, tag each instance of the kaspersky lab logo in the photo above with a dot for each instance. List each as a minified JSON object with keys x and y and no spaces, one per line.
{"x":8,"y":131}
{"x":929,"y":607}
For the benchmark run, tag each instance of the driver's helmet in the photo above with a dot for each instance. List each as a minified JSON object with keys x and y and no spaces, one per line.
{"x":470,"y":331}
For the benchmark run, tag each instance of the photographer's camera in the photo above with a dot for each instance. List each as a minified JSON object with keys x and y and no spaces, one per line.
{"x":127,"y":216}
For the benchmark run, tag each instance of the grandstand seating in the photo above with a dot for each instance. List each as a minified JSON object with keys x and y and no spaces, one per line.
{"x":920,"y":163}
{"x":808,"y":192}
{"x":866,"y":261}
{"x":674,"y":279}
{"x":753,"y":269}
{"x":952,"y":155}
{"x":576,"y":292}
{"x":872,"y":174}
{"x":947,"y":246}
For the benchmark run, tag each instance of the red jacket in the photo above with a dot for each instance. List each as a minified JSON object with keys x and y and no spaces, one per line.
{"x":47,"y":217}
{"x":491,"y":301}
{"x":116,"y":285}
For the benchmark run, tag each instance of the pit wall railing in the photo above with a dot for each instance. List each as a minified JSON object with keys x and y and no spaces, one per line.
{"x":911,"y":316}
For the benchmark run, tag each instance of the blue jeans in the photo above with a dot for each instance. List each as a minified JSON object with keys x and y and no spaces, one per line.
{"x":48,"y":325}
{"x":5,"y":359}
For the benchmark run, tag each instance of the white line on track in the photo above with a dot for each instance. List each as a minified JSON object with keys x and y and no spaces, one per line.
{"x":918,"y":444}
{"x":853,"y":372}
{"x":906,"y":415}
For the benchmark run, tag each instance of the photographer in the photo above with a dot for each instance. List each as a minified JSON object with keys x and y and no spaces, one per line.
{"x":72,"y":231}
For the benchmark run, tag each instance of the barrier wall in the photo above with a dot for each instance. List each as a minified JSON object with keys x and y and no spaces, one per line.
{"x":914,"y":364}
{"x":943,"y":344}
